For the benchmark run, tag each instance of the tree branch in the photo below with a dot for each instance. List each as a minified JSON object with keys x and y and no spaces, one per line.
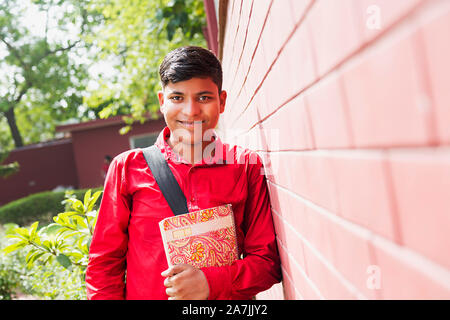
{"x":14,"y":51}
{"x":50,"y":52}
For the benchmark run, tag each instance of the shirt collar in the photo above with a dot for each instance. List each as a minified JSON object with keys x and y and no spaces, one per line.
{"x":169,"y":154}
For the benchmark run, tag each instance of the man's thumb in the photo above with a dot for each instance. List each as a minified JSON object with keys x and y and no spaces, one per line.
{"x":173,"y":270}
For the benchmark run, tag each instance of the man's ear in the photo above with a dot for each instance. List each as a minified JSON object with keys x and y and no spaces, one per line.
{"x":223,"y":100}
{"x":161,"y":100}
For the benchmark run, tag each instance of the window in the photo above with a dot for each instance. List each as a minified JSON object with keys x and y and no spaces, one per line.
{"x":143,"y":141}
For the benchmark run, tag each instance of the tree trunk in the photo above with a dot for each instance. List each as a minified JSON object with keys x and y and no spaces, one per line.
{"x":11,"y":117}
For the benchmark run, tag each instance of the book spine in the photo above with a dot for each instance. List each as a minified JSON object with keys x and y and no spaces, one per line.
{"x":164,"y":240}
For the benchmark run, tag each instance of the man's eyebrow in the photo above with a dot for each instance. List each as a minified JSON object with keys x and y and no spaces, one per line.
{"x":204,"y":92}
{"x":176,"y":92}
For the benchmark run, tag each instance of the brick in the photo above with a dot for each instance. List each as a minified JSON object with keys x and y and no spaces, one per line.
{"x":320,"y":181}
{"x":346,"y":248}
{"x":235,"y":24}
{"x":290,"y":238}
{"x":257,"y":71}
{"x":278,"y":27}
{"x":294,"y":179}
{"x":363,"y":191}
{"x":309,"y":176}
{"x":376,"y":16}
{"x":437,"y":48}
{"x":386,"y":96}
{"x":329,"y":119}
{"x":232,"y":21}
{"x":334,"y":32}
{"x":330,"y":286}
{"x":241,"y":35}
{"x":288,"y":288}
{"x":292,"y":72}
{"x":421,"y":182}
{"x":298,"y":9}
{"x":296,"y":283}
{"x":254,"y":140}
{"x":402,"y":277}
{"x":291,"y":121}
{"x":291,"y":210}
{"x":259,"y":14}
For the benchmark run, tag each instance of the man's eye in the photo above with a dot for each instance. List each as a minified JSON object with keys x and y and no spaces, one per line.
{"x":176,"y":98}
{"x":204,"y":98}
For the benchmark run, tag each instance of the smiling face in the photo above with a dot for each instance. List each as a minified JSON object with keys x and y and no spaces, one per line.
{"x":191,"y":108}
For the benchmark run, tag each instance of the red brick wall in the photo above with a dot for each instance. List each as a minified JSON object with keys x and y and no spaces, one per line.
{"x":353,"y":123}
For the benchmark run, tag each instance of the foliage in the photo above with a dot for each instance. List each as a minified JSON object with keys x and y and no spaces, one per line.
{"x":40,"y":206}
{"x":42,"y":83}
{"x":7,"y":169}
{"x":9,"y":272}
{"x":188,"y":16}
{"x":64,"y":243}
{"x":134,"y":37}
{"x":49,"y":281}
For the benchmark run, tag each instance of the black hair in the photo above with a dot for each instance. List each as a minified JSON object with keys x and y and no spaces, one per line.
{"x":185,"y":63}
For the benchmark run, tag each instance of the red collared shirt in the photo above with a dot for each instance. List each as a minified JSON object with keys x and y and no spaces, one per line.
{"x":127,"y":237}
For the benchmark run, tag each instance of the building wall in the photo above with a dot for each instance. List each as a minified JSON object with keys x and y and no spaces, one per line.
{"x":348,"y":104}
{"x":42,"y":167}
{"x":91,"y":146}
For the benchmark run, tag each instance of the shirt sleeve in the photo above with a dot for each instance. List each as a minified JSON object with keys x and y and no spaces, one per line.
{"x":260,"y":267}
{"x":105,"y":273}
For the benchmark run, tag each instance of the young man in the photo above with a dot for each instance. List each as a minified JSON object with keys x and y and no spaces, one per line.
{"x":127,"y":239}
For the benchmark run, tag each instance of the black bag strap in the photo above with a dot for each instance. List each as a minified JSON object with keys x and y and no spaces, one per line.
{"x":166,"y":181}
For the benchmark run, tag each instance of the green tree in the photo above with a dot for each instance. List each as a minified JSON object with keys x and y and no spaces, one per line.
{"x":41,"y":81}
{"x":134,"y":37}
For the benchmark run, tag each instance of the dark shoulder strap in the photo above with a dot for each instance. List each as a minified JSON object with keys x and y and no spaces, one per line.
{"x":166,"y":180}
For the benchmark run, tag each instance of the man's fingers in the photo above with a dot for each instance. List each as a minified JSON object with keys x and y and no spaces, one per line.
{"x":174,"y":270}
{"x":170,"y":281}
{"x":167,"y":273}
{"x":174,"y":293}
{"x":167,"y":282}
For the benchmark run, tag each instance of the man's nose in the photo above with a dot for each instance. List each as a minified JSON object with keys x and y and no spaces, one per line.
{"x":191,"y":107}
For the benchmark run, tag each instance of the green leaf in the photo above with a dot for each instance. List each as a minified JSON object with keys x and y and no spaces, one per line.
{"x":47,"y":245}
{"x":35,"y":257}
{"x":51,"y":228}
{"x":33,"y":229}
{"x":87,"y":197}
{"x":23,"y":232}
{"x":14,"y":247}
{"x":64,"y":260}
{"x":93,"y":200}
{"x":32,"y":256}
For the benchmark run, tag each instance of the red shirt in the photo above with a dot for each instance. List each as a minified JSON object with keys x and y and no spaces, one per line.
{"x":127,"y":236}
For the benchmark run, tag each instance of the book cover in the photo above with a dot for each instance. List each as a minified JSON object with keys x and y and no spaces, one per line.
{"x":201,"y":238}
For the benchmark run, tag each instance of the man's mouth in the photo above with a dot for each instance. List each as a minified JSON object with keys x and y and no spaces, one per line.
{"x":190,"y":124}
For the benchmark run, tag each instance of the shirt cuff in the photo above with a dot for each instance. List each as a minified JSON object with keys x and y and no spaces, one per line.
{"x":218,"y":282}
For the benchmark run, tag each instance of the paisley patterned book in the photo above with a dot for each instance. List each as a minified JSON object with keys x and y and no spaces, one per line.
{"x":201,"y":238}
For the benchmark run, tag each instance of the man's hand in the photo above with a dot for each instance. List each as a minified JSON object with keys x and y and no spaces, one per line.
{"x":185,"y":282}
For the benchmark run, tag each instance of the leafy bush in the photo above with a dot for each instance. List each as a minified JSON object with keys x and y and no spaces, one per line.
{"x":57,"y":253}
{"x":9,"y":271}
{"x":42,"y":206}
